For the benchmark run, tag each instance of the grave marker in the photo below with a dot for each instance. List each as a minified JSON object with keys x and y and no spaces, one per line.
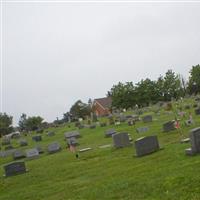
{"x":15,"y":168}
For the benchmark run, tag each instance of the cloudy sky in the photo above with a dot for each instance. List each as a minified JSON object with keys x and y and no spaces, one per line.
{"x":57,"y":53}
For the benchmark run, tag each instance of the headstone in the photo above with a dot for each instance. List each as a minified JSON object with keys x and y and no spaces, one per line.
{"x":5,"y":140}
{"x":105,"y":146}
{"x":72,"y":141}
{"x":14,"y":168}
{"x":142,"y":129}
{"x":187,"y":107}
{"x":110,"y":132}
{"x":8,"y":147}
{"x":195,"y":142}
{"x":122,"y":118}
{"x":37,"y":138}
{"x":146,"y":145}
{"x":32,"y":153}
{"x":136,"y":118}
{"x":54,"y":147}
{"x":18,"y":154}
{"x":131,"y":123}
{"x":81,"y":126}
{"x":7,"y":153}
{"x":75,"y":134}
{"x":186,"y":140}
{"x":50,"y":133}
{"x":147,"y":118}
{"x":23,"y":142}
{"x":121,"y":140}
{"x":39,"y":149}
{"x":169,"y":126}
{"x":197,"y":111}
{"x":102,"y":124}
{"x":93,"y":126}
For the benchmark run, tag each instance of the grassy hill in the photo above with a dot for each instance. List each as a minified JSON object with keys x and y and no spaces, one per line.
{"x":108,"y":173}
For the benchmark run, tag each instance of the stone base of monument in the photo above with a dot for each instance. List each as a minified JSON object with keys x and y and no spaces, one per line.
{"x":189,"y":152}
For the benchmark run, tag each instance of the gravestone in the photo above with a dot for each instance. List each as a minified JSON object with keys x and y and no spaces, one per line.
{"x":131,"y":122}
{"x":37,"y":138}
{"x":7,"y":153}
{"x":146,"y":145}
{"x":32,"y":153}
{"x":50,"y":133}
{"x":93,"y":126}
{"x":54,"y":147}
{"x":110,"y":132}
{"x":8,"y":147}
{"x":23,"y":142}
{"x":121,"y":140}
{"x":14,"y":168}
{"x":197,"y":111}
{"x":72,"y":141}
{"x":142,"y":129}
{"x":75,"y":134}
{"x":147,"y":118}
{"x":81,"y":126}
{"x":122,"y":118}
{"x":136,"y":118}
{"x":18,"y":154}
{"x":39,"y":149}
{"x":102,"y":124}
{"x":187,"y":107}
{"x":128,"y":116}
{"x":195,"y":142}
{"x":169,"y":126}
{"x":5,"y":141}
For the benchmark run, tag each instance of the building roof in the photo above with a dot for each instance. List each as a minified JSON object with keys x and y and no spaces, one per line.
{"x":105,"y":102}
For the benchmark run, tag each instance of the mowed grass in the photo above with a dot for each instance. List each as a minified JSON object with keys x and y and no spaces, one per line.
{"x":108,"y":173}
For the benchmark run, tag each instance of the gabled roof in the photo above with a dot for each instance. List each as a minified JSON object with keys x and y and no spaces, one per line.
{"x":105,"y":102}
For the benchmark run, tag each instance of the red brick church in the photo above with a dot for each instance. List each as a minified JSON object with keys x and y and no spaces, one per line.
{"x":102,"y":106}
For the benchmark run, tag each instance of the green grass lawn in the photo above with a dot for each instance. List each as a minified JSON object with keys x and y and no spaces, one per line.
{"x":108,"y":173}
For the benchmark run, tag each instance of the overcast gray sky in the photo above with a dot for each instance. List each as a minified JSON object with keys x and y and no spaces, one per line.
{"x":57,"y":53}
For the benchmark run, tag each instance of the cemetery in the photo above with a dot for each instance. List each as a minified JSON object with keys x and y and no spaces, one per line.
{"x":117,"y":159}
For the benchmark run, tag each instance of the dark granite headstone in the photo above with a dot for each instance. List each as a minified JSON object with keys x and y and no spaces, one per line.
{"x":197,"y":111}
{"x":142,"y":129}
{"x":32,"y":153}
{"x":195,"y":142}
{"x":110,"y":132}
{"x":18,"y":154}
{"x":121,"y":140}
{"x":147,"y":118}
{"x":15,"y":168}
{"x":169,"y":126}
{"x":75,"y":134}
{"x":146,"y":145}
{"x":37,"y":138}
{"x":54,"y":147}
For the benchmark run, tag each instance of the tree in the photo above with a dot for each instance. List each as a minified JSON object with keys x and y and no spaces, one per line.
{"x":172,"y":86}
{"x":194,"y":80}
{"x":22,"y":122}
{"x":80,"y":110}
{"x":123,"y":95}
{"x":5,"y":124}
{"x":33,"y":123}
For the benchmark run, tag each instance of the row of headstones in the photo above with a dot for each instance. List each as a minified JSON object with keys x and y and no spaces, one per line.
{"x":19,"y":166}
{"x":143,"y":146}
{"x":23,"y":142}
